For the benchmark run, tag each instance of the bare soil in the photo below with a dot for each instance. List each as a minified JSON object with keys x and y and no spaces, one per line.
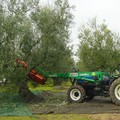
{"x":107,"y":116}
{"x":56,"y":103}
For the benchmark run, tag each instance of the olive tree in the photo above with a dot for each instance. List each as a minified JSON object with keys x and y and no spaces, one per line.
{"x":99,"y":47}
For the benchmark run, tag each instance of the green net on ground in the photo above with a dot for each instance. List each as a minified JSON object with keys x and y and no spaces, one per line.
{"x":12,"y":105}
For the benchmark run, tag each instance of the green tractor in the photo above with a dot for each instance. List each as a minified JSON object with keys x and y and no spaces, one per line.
{"x":90,"y":84}
{"x":85,"y":85}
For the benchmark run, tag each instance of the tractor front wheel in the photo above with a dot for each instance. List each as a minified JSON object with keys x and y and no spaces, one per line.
{"x":115,"y":91}
{"x":76,"y":94}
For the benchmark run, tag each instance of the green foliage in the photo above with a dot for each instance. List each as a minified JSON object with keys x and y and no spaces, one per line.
{"x":36,"y":34}
{"x":15,"y":31}
{"x":99,"y":47}
{"x":53,"y":24}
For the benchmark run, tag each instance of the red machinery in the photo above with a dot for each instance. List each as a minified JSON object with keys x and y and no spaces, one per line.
{"x":32,"y":74}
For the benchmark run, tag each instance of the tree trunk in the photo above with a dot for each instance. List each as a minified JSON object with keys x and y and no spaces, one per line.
{"x":27,"y":95}
{"x":57,"y":81}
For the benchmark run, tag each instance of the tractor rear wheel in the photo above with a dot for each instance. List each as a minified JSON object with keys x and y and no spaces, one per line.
{"x":115,"y":91}
{"x":76,"y":94}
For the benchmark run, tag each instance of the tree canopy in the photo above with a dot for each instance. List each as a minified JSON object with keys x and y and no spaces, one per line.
{"x":99,"y":47}
{"x":36,"y":34}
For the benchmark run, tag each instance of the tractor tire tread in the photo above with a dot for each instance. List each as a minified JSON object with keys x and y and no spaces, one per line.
{"x":81,"y":89}
{"x":112,"y":92}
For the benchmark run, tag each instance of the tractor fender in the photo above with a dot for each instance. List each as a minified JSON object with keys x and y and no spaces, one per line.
{"x":112,"y":79}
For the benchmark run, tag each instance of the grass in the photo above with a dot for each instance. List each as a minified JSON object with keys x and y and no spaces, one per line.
{"x":67,"y":117}
{"x":51,"y":117}
{"x":6,"y":88}
{"x":49,"y":87}
{"x":63,"y":117}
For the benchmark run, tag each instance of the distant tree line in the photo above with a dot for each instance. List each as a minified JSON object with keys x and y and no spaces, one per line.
{"x":99,"y":47}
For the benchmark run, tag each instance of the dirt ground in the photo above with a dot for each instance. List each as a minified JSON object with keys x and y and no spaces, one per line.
{"x":56,"y":103}
{"x":107,"y":116}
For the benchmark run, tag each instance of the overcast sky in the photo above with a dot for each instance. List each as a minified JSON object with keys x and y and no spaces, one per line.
{"x":108,"y":10}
